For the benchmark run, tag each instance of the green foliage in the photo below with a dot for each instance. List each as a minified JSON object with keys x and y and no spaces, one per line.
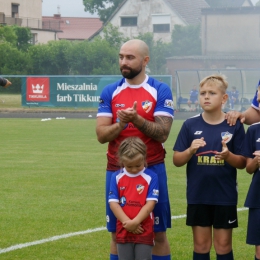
{"x":50,"y":58}
{"x":24,"y":37}
{"x":104,"y":9}
{"x":113,"y":36}
{"x":186,"y":40}
{"x":7,"y":34}
{"x":12,"y":60}
{"x":158,"y":53}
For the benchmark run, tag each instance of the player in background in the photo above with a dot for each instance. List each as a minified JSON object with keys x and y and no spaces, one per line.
{"x":132,"y":197}
{"x":250,"y":116}
{"x":251,"y":150}
{"x":211,"y":148}
{"x":193,"y":99}
{"x":138,"y":105}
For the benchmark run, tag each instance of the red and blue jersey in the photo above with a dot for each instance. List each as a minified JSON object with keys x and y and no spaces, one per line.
{"x":132,"y":191}
{"x":154,"y":98}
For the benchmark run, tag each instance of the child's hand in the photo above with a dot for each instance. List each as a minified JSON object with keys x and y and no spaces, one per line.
{"x":133,"y":227}
{"x":257,"y":157}
{"x":224,"y":154}
{"x":196,"y":144}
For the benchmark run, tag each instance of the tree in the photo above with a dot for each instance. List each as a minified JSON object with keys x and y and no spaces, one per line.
{"x":24,"y":37}
{"x":113,"y":36}
{"x":186,"y":40}
{"x":7,"y":34}
{"x":104,"y":9}
{"x":158,"y":53}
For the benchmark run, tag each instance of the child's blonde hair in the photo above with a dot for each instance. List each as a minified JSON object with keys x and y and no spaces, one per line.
{"x":216,"y":79}
{"x":129,"y":148}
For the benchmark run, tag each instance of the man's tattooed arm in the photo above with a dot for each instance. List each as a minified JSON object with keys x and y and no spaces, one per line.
{"x":158,"y":130}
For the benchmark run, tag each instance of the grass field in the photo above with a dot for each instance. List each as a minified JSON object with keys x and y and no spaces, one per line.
{"x":52,"y":193}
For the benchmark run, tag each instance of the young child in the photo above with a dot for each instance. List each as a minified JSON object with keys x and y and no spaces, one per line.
{"x":209,"y":147}
{"x":133,"y":195}
{"x":251,"y":150}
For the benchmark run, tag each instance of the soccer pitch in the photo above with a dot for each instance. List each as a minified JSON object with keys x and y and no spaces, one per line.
{"x":52,"y":186}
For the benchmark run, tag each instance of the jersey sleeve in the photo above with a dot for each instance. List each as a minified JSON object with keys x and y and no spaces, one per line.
{"x":113,"y":195}
{"x":164,"y":105}
{"x":182,"y":141}
{"x":239,"y":137}
{"x":153,"y":190}
{"x":248,"y":146}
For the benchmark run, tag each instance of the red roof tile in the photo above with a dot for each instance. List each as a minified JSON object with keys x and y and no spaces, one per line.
{"x":72,"y":28}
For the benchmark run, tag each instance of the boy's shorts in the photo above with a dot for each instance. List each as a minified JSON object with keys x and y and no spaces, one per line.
{"x":162,"y":211}
{"x":217,"y":216}
{"x":253,"y":227}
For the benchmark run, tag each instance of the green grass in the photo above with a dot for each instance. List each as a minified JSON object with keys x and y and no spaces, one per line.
{"x":52,"y":183}
{"x":13,"y":102}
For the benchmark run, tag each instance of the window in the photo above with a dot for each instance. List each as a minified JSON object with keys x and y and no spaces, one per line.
{"x":161,"y":23}
{"x":15,"y":10}
{"x":129,"y":21}
{"x":34,"y":38}
{"x":161,"y":28}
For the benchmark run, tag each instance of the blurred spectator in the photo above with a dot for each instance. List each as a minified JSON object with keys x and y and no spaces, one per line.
{"x":234,"y":96}
{"x":193,"y":98}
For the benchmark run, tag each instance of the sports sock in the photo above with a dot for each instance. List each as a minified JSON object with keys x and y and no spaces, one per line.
{"x":197,"y":256}
{"x":256,"y":258}
{"x":113,"y":257}
{"x":158,"y":257}
{"x":228,"y":256}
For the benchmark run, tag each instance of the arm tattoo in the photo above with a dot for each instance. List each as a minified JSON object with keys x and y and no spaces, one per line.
{"x":158,"y":130}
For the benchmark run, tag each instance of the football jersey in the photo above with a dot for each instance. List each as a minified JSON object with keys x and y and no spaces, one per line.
{"x":250,"y":145}
{"x":132,"y":191}
{"x":210,"y":181}
{"x":153,"y":98}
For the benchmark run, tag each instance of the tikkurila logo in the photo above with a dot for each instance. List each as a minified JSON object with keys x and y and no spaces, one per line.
{"x":38,"y":89}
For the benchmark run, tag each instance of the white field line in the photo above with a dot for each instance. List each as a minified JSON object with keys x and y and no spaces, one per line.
{"x":50,"y":239}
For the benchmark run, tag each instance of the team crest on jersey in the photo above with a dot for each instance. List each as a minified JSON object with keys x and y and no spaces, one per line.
{"x":147,"y":105}
{"x":226,"y":136}
{"x":140,"y":188}
{"x":122,"y":201}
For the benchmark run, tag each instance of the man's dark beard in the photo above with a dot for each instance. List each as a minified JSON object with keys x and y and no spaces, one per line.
{"x":131,"y":73}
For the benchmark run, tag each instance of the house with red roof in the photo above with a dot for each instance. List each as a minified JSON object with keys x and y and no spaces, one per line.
{"x":72,"y":28}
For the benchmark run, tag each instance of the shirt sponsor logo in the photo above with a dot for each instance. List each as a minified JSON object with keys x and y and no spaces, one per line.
{"x":198,"y":133}
{"x":122,"y":201}
{"x":119,"y":105}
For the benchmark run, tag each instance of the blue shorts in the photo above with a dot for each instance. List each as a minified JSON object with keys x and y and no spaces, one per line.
{"x":162,"y":211}
{"x":253,"y":227}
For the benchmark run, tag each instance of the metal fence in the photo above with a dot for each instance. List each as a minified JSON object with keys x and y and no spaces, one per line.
{"x":245,"y":81}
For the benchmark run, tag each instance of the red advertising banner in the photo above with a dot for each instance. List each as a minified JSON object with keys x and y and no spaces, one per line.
{"x":38,"y":89}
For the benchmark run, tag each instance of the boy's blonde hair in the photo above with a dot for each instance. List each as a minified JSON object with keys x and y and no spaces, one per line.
{"x":130,"y":147}
{"x":216,"y":79}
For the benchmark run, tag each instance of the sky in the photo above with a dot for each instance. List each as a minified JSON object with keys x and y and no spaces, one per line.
{"x":69,"y":8}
